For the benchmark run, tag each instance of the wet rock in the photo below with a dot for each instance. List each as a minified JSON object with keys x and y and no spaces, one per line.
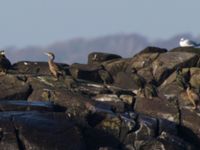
{"x":28,"y":106}
{"x":39,"y":68}
{"x":43,"y":87}
{"x":118,"y":126}
{"x":75,"y":103}
{"x":156,"y":107}
{"x":13,"y":88}
{"x":92,"y":89}
{"x":147,"y":128}
{"x":167,"y":126}
{"x":112,"y":100}
{"x":8,"y":138}
{"x":85,"y":72}
{"x":98,"y":57}
{"x":48,"y":131}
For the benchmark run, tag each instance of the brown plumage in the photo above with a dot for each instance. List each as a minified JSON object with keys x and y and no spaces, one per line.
{"x":52,"y":66}
{"x":192,"y":96}
{"x":4,"y":62}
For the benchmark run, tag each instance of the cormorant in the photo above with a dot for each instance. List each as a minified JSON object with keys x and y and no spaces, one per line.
{"x":182,"y":79}
{"x":4,"y":63}
{"x":105,"y":76}
{"x":192,"y":96}
{"x":54,"y":69}
{"x":138,"y":80}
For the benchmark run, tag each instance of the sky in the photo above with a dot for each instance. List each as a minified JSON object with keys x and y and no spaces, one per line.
{"x":43,"y":22}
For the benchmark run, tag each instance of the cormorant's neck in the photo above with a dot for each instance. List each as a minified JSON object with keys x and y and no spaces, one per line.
{"x":51,"y":58}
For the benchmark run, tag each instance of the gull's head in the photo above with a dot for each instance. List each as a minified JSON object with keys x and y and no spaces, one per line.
{"x":2,"y":52}
{"x":182,"y":39}
{"x":50,"y":55}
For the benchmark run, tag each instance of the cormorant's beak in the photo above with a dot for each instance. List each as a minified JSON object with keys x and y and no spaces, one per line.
{"x":46,"y":53}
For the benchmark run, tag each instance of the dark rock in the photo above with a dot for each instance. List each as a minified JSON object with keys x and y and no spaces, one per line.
{"x":98,"y":57}
{"x":195,"y":75}
{"x":160,"y":108}
{"x":162,"y":67}
{"x":153,"y":50}
{"x":190,"y":121}
{"x":85,"y":72}
{"x":13,"y":89}
{"x":91,"y":89}
{"x":48,"y":131}
{"x":28,"y":106}
{"x":124,"y":80}
{"x":116,"y":66}
{"x":167,"y":142}
{"x":186,"y":49}
{"x":147,"y":128}
{"x":105,"y":76}
{"x":111,"y":100}
{"x":75,"y":103}
{"x":142,"y":60}
{"x":147,"y":74}
{"x":167,"y":126}
{"x":37,"y":68}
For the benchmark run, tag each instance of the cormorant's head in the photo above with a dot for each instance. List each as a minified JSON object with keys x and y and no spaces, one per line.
{"x":50,"y":55}
{"x":2,"y":53}
{"x":178,"y":70}
{"x":133,"y":70}
{"x":189,"y":86}
{"x":94,"y":57}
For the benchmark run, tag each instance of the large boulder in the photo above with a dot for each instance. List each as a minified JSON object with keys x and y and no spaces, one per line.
{"x":162,"y":67}
{"x":99,"y":57}
{"x":13,"y":88}
{"x":48,"y":131}
{"x":116,"y":66}
{"x":160,"y":108}
{"x":28,"y":106}
{"x":186,"y":49}
{"x":151,"y":49}
{"x":85,"y":72}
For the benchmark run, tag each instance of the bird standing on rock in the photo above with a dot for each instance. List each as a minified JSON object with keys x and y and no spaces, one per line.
{"x":139,"y":81}
{"x":193,"y":96}
{"x":4,"y":63}
{"x":105,"y":76}
{"x":182,"y":79}
{"x":54,"y":69}
{"x":187,"y":43}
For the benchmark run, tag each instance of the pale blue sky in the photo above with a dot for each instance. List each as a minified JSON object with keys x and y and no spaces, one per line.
{"x":42,"y":22}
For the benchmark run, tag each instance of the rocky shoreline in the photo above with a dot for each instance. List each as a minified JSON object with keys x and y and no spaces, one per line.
{"x":97,"y":105}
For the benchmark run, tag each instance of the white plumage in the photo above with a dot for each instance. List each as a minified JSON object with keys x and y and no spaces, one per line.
{"x":187,"y":43}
